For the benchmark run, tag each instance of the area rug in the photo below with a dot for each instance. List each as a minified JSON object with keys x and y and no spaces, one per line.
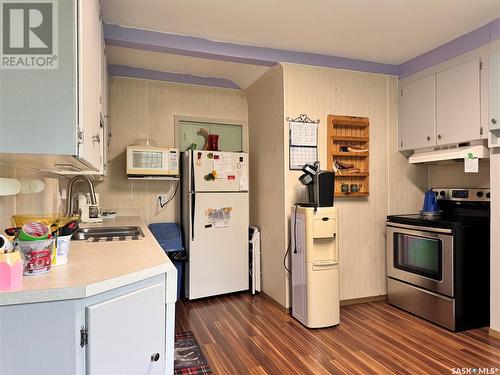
{"x":189,"y":359}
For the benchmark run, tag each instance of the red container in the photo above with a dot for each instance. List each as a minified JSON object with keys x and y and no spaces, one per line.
{"x":213,"y":142}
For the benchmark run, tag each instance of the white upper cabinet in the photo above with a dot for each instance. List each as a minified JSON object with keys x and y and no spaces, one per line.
{"x":417,"y":111}
{"x":494,"y":117}
{"x":90,"y":78}
{"x":458,"y":104}
{"x":50,"y":117}
{"x":442,"y":108}
{"x":105,"y":130}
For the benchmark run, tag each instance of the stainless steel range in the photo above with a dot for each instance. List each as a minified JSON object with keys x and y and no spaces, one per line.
{"x":438,"y":265}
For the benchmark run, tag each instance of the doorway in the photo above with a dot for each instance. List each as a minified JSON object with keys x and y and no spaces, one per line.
{"x":230,"y":135}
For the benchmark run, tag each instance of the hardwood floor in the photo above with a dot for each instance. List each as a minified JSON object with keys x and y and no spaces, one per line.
{"x":242,"y":334}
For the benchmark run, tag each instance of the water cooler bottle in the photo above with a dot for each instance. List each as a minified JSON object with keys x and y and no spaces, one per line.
{"x":315,"y":266}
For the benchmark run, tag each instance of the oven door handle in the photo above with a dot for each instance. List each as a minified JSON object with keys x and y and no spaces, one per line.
{"x":417,"y":227}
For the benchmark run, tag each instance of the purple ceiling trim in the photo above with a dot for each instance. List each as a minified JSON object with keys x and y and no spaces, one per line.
{"x":126,"y":71}
{"x":495,"y":30}
{"x":183,"y":52}
{"x":204,"y":48}
{"x":453,"y":48}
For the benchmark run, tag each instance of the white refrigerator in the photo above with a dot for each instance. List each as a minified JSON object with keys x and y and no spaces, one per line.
{"x":215,"y":222}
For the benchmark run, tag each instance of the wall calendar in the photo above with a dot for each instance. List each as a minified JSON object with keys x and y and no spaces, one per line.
{"x":303,"y":141}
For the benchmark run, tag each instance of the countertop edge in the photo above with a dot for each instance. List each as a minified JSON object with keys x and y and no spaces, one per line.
{"x":95,"y":287}
{"x":116,"y":282}
{"x":42,"y":295}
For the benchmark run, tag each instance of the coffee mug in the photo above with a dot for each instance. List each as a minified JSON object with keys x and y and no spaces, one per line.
{"x":344,"y":188}
{"x":6,"y":245}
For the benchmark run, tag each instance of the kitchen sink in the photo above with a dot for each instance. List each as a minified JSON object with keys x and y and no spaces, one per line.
{"x":121,"y":233}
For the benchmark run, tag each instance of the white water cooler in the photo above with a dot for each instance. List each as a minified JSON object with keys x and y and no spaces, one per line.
{"x":315,"y":266}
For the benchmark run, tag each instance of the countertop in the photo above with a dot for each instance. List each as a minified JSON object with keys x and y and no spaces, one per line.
{"x":96,"y":267}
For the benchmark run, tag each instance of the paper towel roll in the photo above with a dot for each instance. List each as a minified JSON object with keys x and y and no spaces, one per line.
{"x":9,"y":186}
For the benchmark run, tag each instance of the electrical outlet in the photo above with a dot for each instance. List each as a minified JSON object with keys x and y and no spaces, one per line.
{"x":301,"y":193}
{"x":161,"y":199}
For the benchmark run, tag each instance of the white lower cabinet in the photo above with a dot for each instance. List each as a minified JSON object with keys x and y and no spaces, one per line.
{"x":121,"y":331}
{"x":133,"y":324}
{"x":126,"y":333}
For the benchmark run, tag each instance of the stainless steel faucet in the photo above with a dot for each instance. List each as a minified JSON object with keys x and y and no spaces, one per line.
{"x":69,"y":197}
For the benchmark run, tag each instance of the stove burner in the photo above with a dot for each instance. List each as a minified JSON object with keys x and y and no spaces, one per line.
{"x":425,"y":214}
{"x":457,"y":207}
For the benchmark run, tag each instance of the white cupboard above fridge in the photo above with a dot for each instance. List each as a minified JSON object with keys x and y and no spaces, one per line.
{"x":442,"y":108}
{"x":54,"y":119}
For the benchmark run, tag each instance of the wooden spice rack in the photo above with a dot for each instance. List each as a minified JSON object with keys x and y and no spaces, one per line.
{"x":349,"y":131}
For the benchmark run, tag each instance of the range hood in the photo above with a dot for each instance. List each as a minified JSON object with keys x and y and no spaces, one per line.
{"x":450,"y":154}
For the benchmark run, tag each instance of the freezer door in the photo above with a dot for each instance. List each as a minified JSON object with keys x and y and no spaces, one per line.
{"x":218,"y":248}
{"x":219,"y":171}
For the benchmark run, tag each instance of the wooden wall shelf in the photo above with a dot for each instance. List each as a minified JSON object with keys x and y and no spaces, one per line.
{"x":360,"y":194}
{"x":353,"y":154}
{"x":347,"y":138}
{"x":351,"y":174}
{"x":351,"y":121}
{"x":355,"y":132}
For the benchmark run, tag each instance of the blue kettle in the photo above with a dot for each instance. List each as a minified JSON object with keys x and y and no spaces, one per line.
{"x":430,"y":202}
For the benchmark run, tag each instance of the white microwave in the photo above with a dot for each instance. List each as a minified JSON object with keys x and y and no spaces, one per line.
{"x":152,"y":161}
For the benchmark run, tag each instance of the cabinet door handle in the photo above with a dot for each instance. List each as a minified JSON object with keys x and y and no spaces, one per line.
{"x":493,"y":120}
{"x":155,"y":357}
{"x":428,"y":138}
{"x":439,"y":136}
{"x":96,"y":139}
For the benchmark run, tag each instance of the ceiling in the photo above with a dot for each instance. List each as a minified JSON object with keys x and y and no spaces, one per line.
{"x":241,"y":74}
{"x":383,"y":31}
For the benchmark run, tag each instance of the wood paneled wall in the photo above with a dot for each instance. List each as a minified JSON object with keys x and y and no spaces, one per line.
{"x":146,"y":109}
{"x":322,"y":91}
{"x":495,"y":241}
{"x":452,"y":175}
{"x":407,"y":182}
{"x":495,"y":233}
{"x":7,"y":203}
{"x":267,"y":177}
{"x":47,"y":201}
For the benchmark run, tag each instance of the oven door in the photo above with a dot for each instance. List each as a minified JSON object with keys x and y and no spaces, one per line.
{"x":421,"y":256}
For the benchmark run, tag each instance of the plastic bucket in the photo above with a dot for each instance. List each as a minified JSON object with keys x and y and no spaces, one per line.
{"x":34,"y":231}
{"x":62,"y":250}
{"x":37,"y":256}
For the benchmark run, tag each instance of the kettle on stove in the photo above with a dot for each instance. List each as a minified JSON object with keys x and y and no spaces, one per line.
{"x":430,"y":203}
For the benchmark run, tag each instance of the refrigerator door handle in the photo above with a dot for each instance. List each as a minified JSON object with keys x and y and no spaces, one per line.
{"x":191,"y":175}
{"x":193,"y":203}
